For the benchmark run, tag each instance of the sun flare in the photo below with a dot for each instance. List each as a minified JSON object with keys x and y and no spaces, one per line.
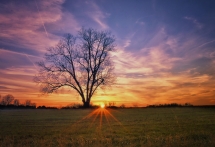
{"x":102,"y":106}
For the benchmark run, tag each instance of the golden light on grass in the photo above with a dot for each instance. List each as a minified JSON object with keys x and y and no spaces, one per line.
{"x":100,"y":116}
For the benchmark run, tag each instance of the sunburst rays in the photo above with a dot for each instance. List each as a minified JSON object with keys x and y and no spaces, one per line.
{"x":101,"y":119}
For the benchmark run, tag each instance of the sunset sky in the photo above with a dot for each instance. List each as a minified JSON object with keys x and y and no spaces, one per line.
{"x":165,"y":48}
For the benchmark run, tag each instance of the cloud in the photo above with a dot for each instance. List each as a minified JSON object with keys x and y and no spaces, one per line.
{"x":96,"y":14}
{"x":194,"y":21}
{"x":127,"y":43}
{"x":16,"y":59}
{"x":140,"y":22}
{"x":28,"y":26}
{"x":208,"y":42}
{"x":160,"y":73}
{"x":146,"y":60}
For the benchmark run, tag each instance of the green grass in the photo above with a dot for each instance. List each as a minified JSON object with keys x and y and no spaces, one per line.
{"x":124,"y":127}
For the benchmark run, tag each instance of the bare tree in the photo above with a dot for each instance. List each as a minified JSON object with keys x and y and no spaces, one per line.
{"x":82,"y":63}
{"x":16,"y":102}
{"x":122,"y":106}
{"x":111,"y":104}
{"x":7,"y":99}
{"x":28,"y":103}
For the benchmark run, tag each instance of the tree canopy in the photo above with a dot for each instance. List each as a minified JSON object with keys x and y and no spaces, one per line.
{"x":81,"y":62}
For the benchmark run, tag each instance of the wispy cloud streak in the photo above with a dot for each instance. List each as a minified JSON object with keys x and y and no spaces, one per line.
{"x":41,"y":19}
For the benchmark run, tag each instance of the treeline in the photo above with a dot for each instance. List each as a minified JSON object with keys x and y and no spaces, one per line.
{"x":80,"y":106}
{"x":8,"y":101}
{"x":171,"y":105}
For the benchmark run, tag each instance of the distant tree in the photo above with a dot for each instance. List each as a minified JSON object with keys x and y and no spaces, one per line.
{"x":135,"y":105}
{"x":122,"y":106}
{"x":28,"y":103}
{"x":188,"y":104}
{"x":7,"y":99}
{"x":111,"y":104}
{"x":16,"y":102}
{"x":41,"y":107}
{"x":80,"y":62}
{"x":33,"y":105}
{"x":76,"y":105}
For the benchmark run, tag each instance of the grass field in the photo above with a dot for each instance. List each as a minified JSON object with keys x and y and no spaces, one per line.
{"x":108,"y":127}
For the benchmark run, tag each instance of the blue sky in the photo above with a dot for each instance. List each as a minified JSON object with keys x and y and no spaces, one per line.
{"x":165,"y":49}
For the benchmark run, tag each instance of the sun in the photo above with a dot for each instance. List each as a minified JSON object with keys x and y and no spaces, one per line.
{"x":102,"y":106}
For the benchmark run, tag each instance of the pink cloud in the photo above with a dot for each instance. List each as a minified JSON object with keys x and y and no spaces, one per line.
{"x":27,"y":25}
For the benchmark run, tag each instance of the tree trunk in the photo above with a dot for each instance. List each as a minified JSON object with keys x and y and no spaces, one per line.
{"x":86,"y":104}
